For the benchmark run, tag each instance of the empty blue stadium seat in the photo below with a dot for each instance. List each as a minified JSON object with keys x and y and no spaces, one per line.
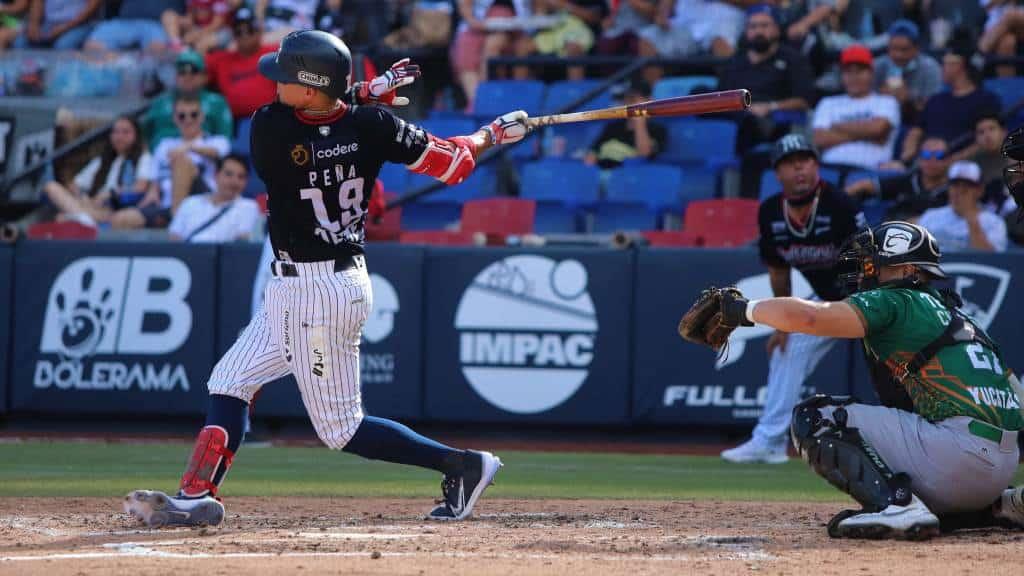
{"x":576,"y":138}
{"x":555,"y":218}
{"x":612,"y":216}
{"x":1010,"y":90}
{"x":699,"y":183}
{"x":707,"y":142}
{"x":430,"y":215}
{"x":496,"y":97}
{"x":657,"y":186}
{"x":395,"y":177}
{"x":482,"y":183}
{"x":561,"y":94}
{"x":243,"y":128}
{"x":448,"y":127}
{"x":682,"y":85}
{"x":568,"y":181}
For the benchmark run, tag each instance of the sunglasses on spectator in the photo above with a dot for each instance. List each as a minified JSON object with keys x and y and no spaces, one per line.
{"x":932,"y":154}
{"x":187,"y":115}
{"x":187,"y":70}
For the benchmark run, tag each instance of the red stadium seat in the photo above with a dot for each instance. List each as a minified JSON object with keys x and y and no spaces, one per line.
{"x":61,"y":231}
{"x":261,"y":200}
{"x":437,"y":237}
{"x":678,"y":238}
{"x":723,"y":222}
{"x":387,"y":226}
{"x":498,"y":218}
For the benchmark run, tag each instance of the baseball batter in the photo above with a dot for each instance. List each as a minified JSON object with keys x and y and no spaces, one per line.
{"x":319,"y":159}
{"x":947,"y":461}
{"x":802,"y":228}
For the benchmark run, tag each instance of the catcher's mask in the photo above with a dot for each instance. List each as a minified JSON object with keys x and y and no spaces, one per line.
{"x":891,"y":244}
{"x":1013,"y":173}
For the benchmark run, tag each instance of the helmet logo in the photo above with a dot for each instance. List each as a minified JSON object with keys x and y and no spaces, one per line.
{"x":300,"y":155}
{"x":897,"y":241}
{"x":313,"y":79}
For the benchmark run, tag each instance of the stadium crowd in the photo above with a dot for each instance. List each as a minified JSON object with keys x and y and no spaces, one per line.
{"x":907,"y":101}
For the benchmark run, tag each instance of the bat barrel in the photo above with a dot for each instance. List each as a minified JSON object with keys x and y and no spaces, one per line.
{"x":725,"y":101}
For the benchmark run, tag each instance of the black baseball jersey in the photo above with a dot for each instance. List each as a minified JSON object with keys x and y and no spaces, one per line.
{"x":320,"y":174}
{"x":813,"y":250}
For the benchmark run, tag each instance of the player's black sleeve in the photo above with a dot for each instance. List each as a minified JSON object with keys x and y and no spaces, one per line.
{"x":261,"y":140}
{"x":394,"y":139}
{"x":766,"y":246}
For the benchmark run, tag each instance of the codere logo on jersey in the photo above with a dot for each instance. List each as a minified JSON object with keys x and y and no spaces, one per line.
{"x":526,"y":332}
{"x":100,"y":308}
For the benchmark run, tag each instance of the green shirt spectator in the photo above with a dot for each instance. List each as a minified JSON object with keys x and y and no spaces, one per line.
{"x":158,"y":123}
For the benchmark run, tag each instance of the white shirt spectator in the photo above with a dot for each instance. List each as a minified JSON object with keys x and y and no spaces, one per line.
{"x":707,"y":20}
{"x":144,"y":170}
{"x":237,"y":223}
{"x":207,"y":166}
{"x":837,"y":109}
{"x":952,"y":233}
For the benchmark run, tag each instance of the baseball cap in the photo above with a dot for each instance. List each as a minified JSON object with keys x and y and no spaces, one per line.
{"x":190,"y":58}
{"x":792,"y":144}
{"x":856,"y":54}
{"x":243,"y":15}
{"x":965,"y":170}
{"x":905,"y":28}
{"x":763,"y":9}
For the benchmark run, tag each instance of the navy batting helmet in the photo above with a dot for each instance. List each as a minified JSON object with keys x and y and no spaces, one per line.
{"x":312,"y":58}
{"x":891,"y":244}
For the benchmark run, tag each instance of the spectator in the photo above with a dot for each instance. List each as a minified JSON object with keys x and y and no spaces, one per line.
{"x":278,"y":18}
{"x":685,"y":27}
{"x":963,"y":224}
{"x":911,"y":193}
{"x":778,"y":77}
{"x":220,"y":215}
{"x":112,"y":181}
{"x":807,"y":17}
{"x":1004,"y":26}
{"x":989,"y":133}
{"x":185,"y":166}
{"x":945,"y":16}
{"x":856,"y":128}
{"x":950,"y":114}
{"x":474,"y":45}
{"x":574,"y":37}
{"x":202,"y":27}
{"x":621,"y":35}
{"x":137,"y":24}
{"x":11,"y":13}
{"x":158,"y":123}
{"x":58,"y":24}
{"x":628,"y":138}
{"x":235,"y":72}
{"x":905,"y":73}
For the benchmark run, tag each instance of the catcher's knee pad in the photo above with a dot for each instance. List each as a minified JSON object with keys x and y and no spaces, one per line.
{"x":210,"y":461}
{"x":807,"y":419}
{"x":841,"y":456}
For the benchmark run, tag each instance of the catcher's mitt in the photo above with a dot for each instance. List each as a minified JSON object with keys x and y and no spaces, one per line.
{"x":713,"y":317}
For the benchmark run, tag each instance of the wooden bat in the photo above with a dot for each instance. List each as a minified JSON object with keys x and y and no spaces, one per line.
{"x":726,"y":101}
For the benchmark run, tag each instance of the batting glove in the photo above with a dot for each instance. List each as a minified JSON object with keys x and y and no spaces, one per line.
{"x":507,"y":128}
{"x":381,"y":90}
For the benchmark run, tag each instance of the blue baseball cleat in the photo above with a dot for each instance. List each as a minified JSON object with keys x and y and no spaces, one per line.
{"x":462,"y":491}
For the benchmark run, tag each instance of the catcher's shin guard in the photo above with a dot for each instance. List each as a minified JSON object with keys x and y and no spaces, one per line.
{"x":840,"y":455}
{"x":210,"y":461}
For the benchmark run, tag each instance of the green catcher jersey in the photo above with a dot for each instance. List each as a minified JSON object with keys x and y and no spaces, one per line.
{"x":965,"y":379}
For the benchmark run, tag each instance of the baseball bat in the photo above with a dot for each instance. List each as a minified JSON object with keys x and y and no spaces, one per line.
{"x":725,"y":101}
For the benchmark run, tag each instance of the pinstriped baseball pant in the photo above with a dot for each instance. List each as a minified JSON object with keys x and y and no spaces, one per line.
{"x":309,"y":326}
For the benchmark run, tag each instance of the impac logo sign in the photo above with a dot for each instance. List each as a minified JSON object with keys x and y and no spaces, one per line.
{"x":756,"y":288}
{"x":379,"y":367}
{"x":981,"y":287}
{"x":103,"y":308}
{"x":526,"y":332}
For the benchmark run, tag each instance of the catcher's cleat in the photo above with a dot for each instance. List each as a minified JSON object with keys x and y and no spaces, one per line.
{"x":157,"y":509}
{"x":460,"y":492}
{"x":911,"y":522}
{"x":758,"y":451}
{"x":1011,"y":506}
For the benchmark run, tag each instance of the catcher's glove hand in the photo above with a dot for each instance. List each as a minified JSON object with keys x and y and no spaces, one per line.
{"x":713,"y":317}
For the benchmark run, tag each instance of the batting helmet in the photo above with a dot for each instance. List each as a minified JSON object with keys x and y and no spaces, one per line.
{"x":891,"y":244}
{"x":312,"y":58}
{"x":1013,"y":174}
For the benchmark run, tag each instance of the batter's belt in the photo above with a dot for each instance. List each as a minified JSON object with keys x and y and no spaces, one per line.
{"x":281,"y":268}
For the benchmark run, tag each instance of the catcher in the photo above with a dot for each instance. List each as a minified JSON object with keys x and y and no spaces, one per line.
{"x":947,"y":461}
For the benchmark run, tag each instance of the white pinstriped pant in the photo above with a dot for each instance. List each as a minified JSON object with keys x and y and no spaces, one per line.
{"x":309,"y":326}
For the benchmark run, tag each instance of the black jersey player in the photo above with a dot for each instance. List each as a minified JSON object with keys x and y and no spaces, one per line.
{"x":319,"y":159}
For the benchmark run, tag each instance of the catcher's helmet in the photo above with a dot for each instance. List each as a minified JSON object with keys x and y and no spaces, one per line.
{"x":1013,"y":174}
{"x":891,"y":244}
{"x":312,"y":58}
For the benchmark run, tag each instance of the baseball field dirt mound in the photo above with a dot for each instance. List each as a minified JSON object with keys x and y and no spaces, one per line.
{"x":278,"y":536}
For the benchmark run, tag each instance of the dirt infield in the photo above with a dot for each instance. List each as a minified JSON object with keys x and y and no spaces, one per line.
{"x":355,"y":536}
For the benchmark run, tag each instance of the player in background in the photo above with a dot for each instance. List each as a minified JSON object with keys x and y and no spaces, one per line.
{"x":803,"y":227}
{"x":948,"y":459}
{"x":320,"y":158}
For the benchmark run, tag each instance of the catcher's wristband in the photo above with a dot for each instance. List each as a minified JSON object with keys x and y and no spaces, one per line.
{"x":750,"y":310}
